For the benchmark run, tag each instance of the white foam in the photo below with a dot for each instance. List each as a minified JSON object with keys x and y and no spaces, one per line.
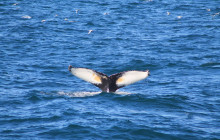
{"x":122,"y":93}
{"x":79,"y":94}
{"x":26,"y":17}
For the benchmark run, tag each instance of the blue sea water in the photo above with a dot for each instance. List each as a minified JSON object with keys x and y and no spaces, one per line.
{"x":178,"y":41}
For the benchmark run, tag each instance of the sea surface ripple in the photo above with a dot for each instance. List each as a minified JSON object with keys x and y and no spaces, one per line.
{"x":178,"y":41}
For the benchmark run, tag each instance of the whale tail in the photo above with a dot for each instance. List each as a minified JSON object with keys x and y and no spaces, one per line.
{"x":109,"y":83}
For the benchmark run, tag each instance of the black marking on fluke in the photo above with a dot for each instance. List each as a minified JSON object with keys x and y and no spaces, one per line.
{"x":109,"y":83}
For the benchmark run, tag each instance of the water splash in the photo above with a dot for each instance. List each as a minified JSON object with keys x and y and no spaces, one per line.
{"x":122,"y":93}
{"x":78,"y":94}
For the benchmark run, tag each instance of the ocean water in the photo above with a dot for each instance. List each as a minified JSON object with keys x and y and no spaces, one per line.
{"x":178,"y":41}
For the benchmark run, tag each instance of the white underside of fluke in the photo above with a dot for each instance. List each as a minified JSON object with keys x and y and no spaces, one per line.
{"x":87,"y":75}
{"x":131,"y":77}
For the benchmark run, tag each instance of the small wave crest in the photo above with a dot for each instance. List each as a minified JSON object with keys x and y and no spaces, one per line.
{"x":78,"y":94}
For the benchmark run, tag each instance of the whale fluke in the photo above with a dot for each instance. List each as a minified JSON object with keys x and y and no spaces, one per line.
{"x":109,"y":83}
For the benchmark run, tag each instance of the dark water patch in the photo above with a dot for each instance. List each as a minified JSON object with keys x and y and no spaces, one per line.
{"x":34,"y":98}
{"x":67,"y":131}
{"x":11,"y":100}
{"x":214,"y":65}
{"x":149,"y":134}
{"x":140,"y":102}
{"x":23,"y":121}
